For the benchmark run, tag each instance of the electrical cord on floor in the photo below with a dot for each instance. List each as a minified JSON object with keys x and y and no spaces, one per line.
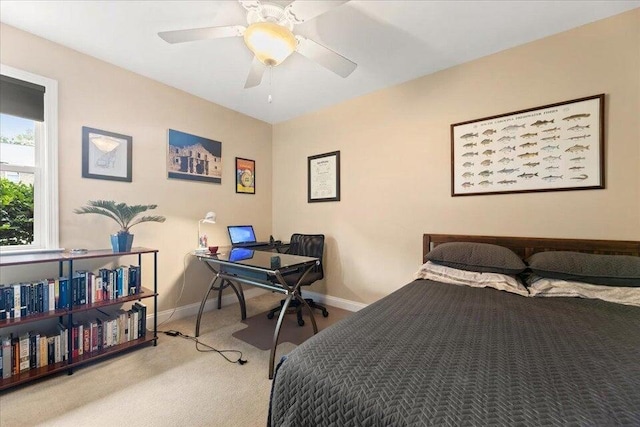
{"x":208,"y":348}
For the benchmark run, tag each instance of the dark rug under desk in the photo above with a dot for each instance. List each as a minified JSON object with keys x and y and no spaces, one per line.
{"x":259,"y":330}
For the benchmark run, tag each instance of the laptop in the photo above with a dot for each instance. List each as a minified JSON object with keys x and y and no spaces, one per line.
{"x":243,"y":236}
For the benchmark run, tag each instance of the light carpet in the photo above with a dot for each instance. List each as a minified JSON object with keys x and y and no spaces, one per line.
{"x":168,"y":385}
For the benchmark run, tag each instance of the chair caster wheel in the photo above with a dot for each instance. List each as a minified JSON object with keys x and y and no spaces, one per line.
{"x":269,"y":315}
{"x":325,"y":313}
{"x":300,"y":322}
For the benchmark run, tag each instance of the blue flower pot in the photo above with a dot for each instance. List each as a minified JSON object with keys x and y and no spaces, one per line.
{"x":121,"y":242}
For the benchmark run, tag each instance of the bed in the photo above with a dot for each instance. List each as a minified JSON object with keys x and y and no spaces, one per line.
{"x":433,"y":353}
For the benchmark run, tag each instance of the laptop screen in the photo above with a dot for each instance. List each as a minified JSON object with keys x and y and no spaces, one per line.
{"x":241,"y":234}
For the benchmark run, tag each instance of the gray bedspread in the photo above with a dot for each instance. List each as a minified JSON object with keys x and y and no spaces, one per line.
{"x":438,"y":354}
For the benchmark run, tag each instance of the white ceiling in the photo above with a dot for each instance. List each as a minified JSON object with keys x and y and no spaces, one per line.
{"x":391,"y":41}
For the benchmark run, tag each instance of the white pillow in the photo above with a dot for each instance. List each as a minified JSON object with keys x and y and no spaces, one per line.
{"x":543,"y":287}
{"x":441,"y":273}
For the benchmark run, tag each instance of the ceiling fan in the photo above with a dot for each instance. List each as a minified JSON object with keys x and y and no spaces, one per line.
{"x":269,"y":36}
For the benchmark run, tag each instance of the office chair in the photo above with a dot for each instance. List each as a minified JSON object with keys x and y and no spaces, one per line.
{"x":311,"y":245}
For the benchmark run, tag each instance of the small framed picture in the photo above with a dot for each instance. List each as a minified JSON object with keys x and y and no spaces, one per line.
{"x":245,"y":176}
{"x":106,"y":155}
{"x":323,"y":177}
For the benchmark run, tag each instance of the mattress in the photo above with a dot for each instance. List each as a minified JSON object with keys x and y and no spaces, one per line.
{"x":440,"y":354}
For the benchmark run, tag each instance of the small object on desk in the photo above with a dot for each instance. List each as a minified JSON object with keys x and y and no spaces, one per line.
{"x":275,"y":262}
{"x":213,"y":250}
{"x":79,"y":251}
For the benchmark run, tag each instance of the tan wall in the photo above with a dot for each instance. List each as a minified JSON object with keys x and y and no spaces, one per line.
{"x":99,"y":95}
{"x":395,"y":154}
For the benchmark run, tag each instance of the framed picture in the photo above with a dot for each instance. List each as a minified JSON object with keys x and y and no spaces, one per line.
{"x":323,"y":177}
{"x":550,"y":148}
{"x":245,"y":176}
{"x":194,"y":158}
{"x":106,"y":155}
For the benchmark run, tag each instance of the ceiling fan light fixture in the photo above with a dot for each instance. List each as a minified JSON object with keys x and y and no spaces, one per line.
{"x":271,"y":43}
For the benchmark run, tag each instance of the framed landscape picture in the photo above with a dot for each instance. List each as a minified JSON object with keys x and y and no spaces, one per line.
{"x":194,"y":158}
{"x":245,"y":176}
{"x":550,"y":148}
{"x":106,"y":155}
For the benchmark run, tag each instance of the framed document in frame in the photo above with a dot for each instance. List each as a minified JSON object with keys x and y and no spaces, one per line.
{"x":323,"y":177}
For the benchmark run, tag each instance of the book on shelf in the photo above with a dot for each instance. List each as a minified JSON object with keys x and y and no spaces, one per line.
{"x":6,"y":357}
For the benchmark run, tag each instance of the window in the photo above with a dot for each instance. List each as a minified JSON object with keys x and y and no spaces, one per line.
{"x":28,"y":161}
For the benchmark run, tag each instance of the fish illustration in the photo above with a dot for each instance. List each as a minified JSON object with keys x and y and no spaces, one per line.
{"x":550,"y":147}
{"x":550,"y":138}
{"x":506,"y":160}
{"x":578,"y":128}
{"x":512,"y":127}
{"x":531,"y":164}
{"x":469,"y":135}
{"x":507,"y":149}
{"x":552,"y":129}
{"x":579,"y":137}
{"x":552,"y":177}
{"x":577,"y":159}
{"x":469,"y":145}
{"x":577,"y":117}
{"x":467,"y":184}
{"x":528,"y":135}
{"x":527,"y":175}
{"x":486,"y":162}
{"x":527,"y":155}
{"x":576,"y":168}
{"x":542,"y":123}
{"x":506,"y":138}
{"x":581,"y":177}
{"x":508,"y":170}
{"x":489,"y":132}
{"x":470,"y":154}
{"x":576,"y":148}
{"x":528,"y":144}
{"x":467,"y":164}
{"x":550,"y":168}
{"x":488,"y":152}
{"x":551,"y":158}
{"x":485,"y":183}
{"x":485,"y":173}
{"x":486,"y":141}
{"x":467,"y":174}
{"x":505,"y":181}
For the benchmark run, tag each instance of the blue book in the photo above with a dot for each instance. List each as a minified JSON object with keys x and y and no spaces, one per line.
{"x":64,"y":293}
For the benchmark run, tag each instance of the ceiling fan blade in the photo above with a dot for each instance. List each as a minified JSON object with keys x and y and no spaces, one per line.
{"x":326,"y":57}
{"x":181,"y":36}
{"x":304,"y":10}
{"x":255,"y":73}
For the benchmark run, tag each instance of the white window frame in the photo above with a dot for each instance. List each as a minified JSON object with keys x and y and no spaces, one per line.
{"x":45,"y":212}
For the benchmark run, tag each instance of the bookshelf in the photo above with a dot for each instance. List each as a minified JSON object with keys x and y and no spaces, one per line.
{"x":66,"y":315}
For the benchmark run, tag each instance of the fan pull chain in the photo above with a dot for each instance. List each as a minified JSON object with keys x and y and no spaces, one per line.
{"x":270,"y":98}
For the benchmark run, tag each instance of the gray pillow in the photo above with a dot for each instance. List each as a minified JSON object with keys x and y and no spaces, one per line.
{"x":612,"y":270}
{"x":480,"y":257}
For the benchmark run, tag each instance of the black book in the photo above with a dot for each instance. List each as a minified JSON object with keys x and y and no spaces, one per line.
{"x":40,"y":297}
{"x":8,"y":302}
{"x":32,"y":351}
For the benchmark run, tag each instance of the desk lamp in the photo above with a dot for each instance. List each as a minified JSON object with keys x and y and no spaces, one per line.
{"x":209,"y":218}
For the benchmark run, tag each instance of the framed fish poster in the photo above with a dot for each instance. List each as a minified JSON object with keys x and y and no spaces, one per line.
{"x":555,"y":147}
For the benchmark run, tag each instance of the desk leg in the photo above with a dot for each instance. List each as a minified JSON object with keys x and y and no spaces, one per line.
{"x":204,"y":301}
{"x":276,"y":334}
{"x":239,"y":294}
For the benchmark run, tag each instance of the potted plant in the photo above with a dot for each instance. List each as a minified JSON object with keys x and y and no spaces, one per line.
{"x":126,"y":216}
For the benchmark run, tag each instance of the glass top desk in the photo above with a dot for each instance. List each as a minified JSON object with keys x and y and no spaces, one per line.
{"x":266,"y":270}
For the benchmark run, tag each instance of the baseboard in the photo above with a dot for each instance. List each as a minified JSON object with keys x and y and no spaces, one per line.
{"x":342,"y":303}
{"x":192,"y":309}
{"x":212,"y":302}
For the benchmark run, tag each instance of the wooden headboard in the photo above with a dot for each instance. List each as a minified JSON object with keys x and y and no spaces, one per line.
{"x":527,"y":246}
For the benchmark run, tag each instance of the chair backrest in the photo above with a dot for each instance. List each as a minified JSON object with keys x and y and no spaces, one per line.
{"x":311,"y":245}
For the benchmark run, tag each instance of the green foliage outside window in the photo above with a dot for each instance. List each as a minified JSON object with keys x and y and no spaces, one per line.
{"x":16,"y":213}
